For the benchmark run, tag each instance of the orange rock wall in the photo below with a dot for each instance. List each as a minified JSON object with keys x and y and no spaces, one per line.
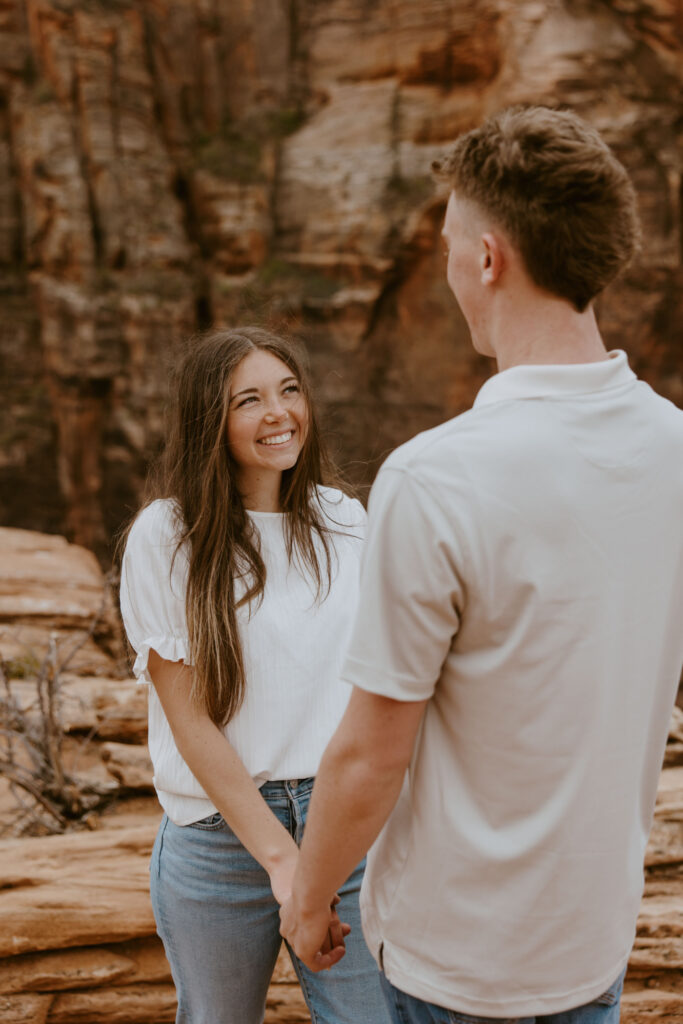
{"x":169,"y":164}
{"x":77,"y":933}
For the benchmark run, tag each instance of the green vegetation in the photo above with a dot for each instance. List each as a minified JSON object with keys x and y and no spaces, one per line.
{"x":280,"y":276}
{"x":410,"y":192}
{"x":49,"y":796}
{"x":285,"y":287}
{"x":24,"y":666}
{"x":101,"y":6}
{"x":40,"y":89}
{"x":235,"y":151}
{"x":29,"y":71}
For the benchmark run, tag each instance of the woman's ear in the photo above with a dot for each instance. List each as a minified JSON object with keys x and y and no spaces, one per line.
{"x":491,"y":260}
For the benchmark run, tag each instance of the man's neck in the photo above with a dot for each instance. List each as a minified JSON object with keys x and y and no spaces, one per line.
{"x":549,"y":332}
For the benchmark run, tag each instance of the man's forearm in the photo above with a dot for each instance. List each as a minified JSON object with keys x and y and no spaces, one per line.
{"x":352,"y":798}
{"x":356,"y":787}
{"x":355,"y":790}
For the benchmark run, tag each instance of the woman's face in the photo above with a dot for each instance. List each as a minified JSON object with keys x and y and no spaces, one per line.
{"x":267,"y":418}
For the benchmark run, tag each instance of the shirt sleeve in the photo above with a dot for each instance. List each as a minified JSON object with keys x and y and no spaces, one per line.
{"x":343,"y":512}
{"x":357,"y":519}
{"x":411,"y":594}
{"x":153,"y":585}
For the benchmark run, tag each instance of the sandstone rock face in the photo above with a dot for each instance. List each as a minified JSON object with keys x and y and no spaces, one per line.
{"x":77,"y":933}
{"x":72,"y":731}
{"x":170,"y":164}
{"x":50,"y":589}
{"x":77,"y":937}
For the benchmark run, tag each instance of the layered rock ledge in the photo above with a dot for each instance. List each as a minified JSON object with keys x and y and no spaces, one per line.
{"x":77,"y":934}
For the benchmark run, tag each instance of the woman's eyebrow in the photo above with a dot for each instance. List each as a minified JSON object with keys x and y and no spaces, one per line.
{"x":249,"y":391}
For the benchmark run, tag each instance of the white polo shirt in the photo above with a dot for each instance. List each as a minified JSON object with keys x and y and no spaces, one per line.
{"x":524,"y":571}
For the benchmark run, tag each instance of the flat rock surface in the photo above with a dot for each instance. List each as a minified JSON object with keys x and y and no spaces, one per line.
{"x":53,"y":590}
{"x":75,"y":890}
{"x":78,"y":943}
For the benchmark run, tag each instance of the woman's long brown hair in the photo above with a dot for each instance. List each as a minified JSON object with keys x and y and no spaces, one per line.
{"x":197,"y":471}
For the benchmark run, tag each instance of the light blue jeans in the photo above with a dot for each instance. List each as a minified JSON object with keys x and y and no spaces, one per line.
{"x":407,"y":1009}
{"x":219,"y":923}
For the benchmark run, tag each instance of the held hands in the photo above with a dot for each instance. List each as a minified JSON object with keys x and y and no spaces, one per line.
{"x":329,"y":948}
{"x":316,"y":938}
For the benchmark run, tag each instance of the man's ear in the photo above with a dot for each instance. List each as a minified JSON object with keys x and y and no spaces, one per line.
{"x":491,"y":260}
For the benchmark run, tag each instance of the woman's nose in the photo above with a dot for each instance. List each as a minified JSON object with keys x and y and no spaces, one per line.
{"x":275,"y":410}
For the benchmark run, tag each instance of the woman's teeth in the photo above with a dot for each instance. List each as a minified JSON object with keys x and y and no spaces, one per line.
{"x":276,"y":439}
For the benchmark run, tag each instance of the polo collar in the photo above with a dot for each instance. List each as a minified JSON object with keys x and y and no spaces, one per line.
{"x":557,"y":381}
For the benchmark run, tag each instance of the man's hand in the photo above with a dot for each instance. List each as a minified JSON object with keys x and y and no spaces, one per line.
{"x":317,"y":939}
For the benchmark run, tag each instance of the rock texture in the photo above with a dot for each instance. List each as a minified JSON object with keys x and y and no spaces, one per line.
{"x":69,"y":719}
{"x":77,"y":934}
{"x":52,"y":589}
{"x":169,"y":164}
{"x":77,"y":938}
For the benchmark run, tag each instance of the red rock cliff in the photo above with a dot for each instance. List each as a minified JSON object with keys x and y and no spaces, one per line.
{"x":167,"y":164}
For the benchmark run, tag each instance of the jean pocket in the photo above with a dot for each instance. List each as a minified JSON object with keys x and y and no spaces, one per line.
{"x":213,"y":823}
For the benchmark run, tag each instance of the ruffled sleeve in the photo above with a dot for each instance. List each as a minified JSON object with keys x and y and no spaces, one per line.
{"x":153,"y":586}
{"x":343,"y":512}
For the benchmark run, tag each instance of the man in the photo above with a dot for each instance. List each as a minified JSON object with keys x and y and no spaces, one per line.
{"x":519,"y":643}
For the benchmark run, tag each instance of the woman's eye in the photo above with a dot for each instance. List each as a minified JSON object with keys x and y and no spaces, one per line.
{"x":247,"y":401}
{"x":292,"y":389}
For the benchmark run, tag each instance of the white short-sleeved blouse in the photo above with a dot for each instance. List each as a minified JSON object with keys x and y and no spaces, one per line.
{"x":293,"y":647}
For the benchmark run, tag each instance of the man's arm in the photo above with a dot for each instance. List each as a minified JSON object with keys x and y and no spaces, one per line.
{"x":358,"y":783}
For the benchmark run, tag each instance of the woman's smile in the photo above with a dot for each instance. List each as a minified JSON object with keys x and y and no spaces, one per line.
{"x":277,"y":439}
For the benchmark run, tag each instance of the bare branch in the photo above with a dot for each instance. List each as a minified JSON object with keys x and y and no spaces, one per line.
{"x":36,"y":732}
{"x":11,"y":772}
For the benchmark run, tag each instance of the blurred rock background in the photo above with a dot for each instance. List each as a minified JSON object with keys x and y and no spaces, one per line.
{"x":166,"y":165}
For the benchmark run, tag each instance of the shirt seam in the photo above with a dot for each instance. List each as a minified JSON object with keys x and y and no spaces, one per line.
{"x":411,"y":473}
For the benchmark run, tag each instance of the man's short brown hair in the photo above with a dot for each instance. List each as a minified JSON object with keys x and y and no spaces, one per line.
{"x":553,"y":185}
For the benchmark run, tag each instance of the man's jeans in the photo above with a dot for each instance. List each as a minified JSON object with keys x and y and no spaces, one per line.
{"x":219,"y":922}
{"x":407,"y":1009}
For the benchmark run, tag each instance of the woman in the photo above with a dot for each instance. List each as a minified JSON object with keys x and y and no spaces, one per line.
{"x":238,"y":587}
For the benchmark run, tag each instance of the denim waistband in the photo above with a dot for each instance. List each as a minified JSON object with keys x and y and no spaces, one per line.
{"x":287,"y":787}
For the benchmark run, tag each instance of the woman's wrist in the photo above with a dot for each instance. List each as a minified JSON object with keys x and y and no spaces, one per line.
{"x":281,"y":872}
{"x":281,"y":856}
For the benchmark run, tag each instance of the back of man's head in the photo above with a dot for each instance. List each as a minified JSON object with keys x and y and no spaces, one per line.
{"x":558,"y":192}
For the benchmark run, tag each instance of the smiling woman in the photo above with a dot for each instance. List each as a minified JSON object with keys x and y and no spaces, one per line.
{"x":238,"y":588}
{"x":267,"y":427}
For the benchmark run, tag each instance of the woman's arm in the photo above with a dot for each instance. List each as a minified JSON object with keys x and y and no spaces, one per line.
{"x":222,"y":775}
